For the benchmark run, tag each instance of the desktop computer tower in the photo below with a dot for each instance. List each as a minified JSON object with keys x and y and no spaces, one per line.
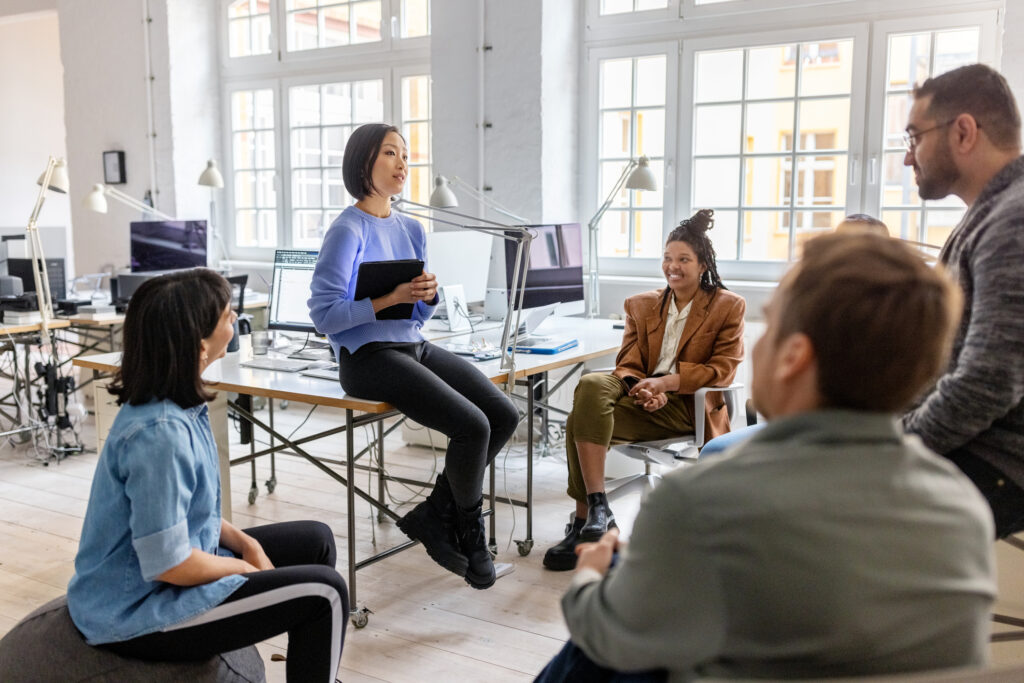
{"x":22,"y":268}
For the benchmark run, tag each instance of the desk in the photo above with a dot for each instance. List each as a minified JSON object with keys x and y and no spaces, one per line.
{"x":597,"y":338}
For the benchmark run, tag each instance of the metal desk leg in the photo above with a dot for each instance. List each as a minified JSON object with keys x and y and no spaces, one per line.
{"x":526,"y":545}
{"x":272,"y":482}
{"x":358,"y":615}
{"x":492,"y":542}
{"x":380,"y":471}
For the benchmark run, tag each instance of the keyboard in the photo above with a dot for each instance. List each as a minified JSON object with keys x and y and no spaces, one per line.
{"x":277,"y":364}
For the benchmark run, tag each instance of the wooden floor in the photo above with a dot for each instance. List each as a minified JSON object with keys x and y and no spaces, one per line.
{"x":427,"y":624}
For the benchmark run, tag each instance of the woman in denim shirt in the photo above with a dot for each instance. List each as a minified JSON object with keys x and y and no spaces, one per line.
{"x":159,"y":575}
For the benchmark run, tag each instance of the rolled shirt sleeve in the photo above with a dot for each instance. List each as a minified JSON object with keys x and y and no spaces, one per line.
{"x":160,"y":477}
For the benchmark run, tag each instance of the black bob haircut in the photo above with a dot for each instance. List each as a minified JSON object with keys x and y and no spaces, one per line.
{"x":694,"y":231}
{"x":168,"y":317}
{"x":361,"y":152}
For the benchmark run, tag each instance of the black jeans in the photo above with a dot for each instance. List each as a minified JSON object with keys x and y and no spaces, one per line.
{"x":1004,"y":497}
{"x":304,"y":596}
{"x":571,"y":664}
{"x":441,"y":391}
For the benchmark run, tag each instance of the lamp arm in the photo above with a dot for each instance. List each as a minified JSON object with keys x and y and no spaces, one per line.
{"x":592,"y":225}
{"x":483,"y":198}
{"x":135,"y":203}
{"x":401,"y":201}
{"x":39,"y":275}
{"x":592,"y":228}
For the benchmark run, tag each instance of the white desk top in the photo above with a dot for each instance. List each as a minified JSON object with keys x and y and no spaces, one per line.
{"x":596,"y":338}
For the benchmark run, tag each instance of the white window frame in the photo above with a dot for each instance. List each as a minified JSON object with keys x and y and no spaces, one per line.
{"x":989,"y":48}
{"x":388,"y":60}
{"x":858,"y":32}
{"x":408,"y":71}
{"x":590,"y":182}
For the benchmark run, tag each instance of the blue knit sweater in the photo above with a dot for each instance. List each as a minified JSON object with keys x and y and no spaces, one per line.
{"x":354,"y":237}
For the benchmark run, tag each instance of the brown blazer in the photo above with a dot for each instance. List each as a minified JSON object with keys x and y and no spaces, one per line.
{"x":710,"y":348}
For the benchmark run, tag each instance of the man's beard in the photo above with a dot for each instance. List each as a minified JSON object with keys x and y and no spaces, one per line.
{"x":942,"y":174}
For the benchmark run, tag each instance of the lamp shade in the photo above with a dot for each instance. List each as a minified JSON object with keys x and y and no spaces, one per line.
{"x":442,"y":197}
{"x":58,"y":177}
{"x":642,"y":177}
{"x":211,"y":177}
{"x":95,"y":200}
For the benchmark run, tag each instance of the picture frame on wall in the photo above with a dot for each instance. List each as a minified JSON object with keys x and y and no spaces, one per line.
{"x":113,"y":167}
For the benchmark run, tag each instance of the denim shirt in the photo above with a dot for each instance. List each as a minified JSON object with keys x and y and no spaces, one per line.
{"x":155,"y":496}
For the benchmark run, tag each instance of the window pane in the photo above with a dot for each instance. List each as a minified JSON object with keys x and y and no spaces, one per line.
{"x":642,"y":5}
{"x":418,"y":184}
{"x":909,"y":56}
{"x":938,"y":225}
{"x":260,"y":30}
{"x":266,"y":228}
{"x":771,"y":72}
{"x":304,"y":106}
{"x":765,"y":235}
{"x":415,"y":18}
{"x":898,"y":185}
{"x":615,"y":133}
{"x":336,"y":100}
{"x":307,"y":228}
{"x":366,"y":16}
{"x":650,"y":81}
{"x":369,"y":101}
{"x":302,"y":31}
{"x":300,"y":4}
{"x":306,"y":189}
{"x":822,"y":181}
{"x":263,"y":116}
{"x":825,"y":124}
{"x":334,"y":139}
{"x":614,"y":234}
{"x":334,"y":189}
{"x":810,"y":224}
{"x":616,"y":6}
{"x":264,"y":149}
{"x":415,"y":98}
{"x":241,"y":110}
{"x":306,"y":147}
{"x":719,"y":76}
{"x":336,"y":26}
{"x":238,"y":8}
{"x":717,"y":129}
{"x":242,"y":144}
{"x":650,"y":132}
{"x":723,"y":234}
{"x":769,"y":127}
{"x":265,"y":193}
{"x":765,"y":182}
{"x":647,"y":234}
{"x":716,"y":182}
{"x":954,"y":49}
{"x":897,"y":113}
{"x":245,"y":189}
{"x":610,"y":172}
{"x":904,"y":224}
{"x":616,"y":83}
{"x":417,"y":139}
{"x":245,"y":228}
{"x":239,"y":38}
{"x":826,"y":68}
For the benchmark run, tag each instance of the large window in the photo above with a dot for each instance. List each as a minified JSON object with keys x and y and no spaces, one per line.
{"x":912,"y":58}
{"x":771,"y":189}
{"x":293,"y":106}
{"x":632,"y":124}
{"x":779,"y":121}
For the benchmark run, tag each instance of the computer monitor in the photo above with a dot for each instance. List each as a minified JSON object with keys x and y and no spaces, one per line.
{"x":553,"y":269}
{"x":290,"y":289}
{"x":167,"y":245}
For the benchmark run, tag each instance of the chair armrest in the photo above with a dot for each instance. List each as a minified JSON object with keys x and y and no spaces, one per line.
{"x":731,"y":393}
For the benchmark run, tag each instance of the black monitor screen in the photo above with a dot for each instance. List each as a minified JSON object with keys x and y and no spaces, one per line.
{"x":293,"y":273}
{"x":554,"y":266}
{"x":167,"y":245}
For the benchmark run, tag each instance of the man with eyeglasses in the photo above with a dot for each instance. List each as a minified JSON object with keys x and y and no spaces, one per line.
{"x":963,"y":138}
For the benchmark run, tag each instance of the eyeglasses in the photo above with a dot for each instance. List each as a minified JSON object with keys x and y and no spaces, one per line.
{"x":910,"y":139}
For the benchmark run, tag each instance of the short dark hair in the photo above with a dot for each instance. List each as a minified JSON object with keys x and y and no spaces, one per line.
{"x":167,"y":318}
{"x":880,"y":320}
{"x":361,"y":152}
{"x":694,"y":231}
{"x":863,"y":222}
{"x":980,"y":91}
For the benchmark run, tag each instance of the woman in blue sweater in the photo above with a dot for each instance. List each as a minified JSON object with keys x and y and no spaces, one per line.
{"x":159,"y":574}
{"x":388,"y":360}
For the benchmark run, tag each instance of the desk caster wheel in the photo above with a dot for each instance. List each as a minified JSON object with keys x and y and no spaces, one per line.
{"x":253,"y":492}
{"x":492,"y":548}
{"x":360,"y":617}
{"x":271,"y":484}
{"x":381,"y":517}
{"x":524,"y":547}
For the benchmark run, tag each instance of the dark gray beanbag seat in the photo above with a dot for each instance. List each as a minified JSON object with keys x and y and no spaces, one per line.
{"x":46,"y":647}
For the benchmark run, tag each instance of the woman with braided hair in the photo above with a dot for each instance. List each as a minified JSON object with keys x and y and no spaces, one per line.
{"x":677,"y":339}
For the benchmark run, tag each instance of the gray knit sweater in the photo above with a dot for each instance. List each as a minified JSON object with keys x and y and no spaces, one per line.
{"x":977,"y":407}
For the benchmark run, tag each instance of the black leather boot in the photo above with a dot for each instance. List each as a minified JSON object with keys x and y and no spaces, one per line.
{"x":473,"y":543}
{"x":599,"y":518}
{"x":433,"y":524}
{"x":562,"y":557}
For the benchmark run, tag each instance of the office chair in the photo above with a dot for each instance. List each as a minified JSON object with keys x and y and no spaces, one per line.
{"x":669,"y":452}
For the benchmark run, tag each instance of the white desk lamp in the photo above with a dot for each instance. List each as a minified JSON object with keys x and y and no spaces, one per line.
{"x":443,"y":198}
{"x":55,"y":178}
{"x":517,"y":233}
{"x":636,"y":175}
{"x":212,"y":179}
{"x":96,"y":201}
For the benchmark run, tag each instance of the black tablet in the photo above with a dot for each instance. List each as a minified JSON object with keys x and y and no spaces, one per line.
{"x":377,"y":278}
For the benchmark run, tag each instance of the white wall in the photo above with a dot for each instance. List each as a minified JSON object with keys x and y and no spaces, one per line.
{"x":31,"y":117}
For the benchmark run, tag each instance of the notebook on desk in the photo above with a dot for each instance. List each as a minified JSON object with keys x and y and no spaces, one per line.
{"x":547,"y":345}
{"x":330,"y":373}
{"x":277,"y":364}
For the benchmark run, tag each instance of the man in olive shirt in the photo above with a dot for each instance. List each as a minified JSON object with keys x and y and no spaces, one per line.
{"x":830,"y":543}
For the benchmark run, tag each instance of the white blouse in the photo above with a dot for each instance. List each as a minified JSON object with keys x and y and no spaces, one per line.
{"x":673,"y":331}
